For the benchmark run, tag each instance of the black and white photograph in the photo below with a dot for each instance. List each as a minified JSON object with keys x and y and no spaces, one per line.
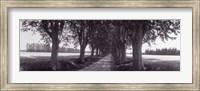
{"x":99,"y":45}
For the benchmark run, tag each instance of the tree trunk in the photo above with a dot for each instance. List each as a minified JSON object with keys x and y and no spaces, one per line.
{"x":137,"y":53}
{"x":123,"y":53}
{"x":54,"y":53}
{"x":82,"y":54}
{"x":120,"y":54}
{"x":137,"y":56}
{"x":92,"y":51}
{"x":97,"y":52}
{"x":114,"y":53}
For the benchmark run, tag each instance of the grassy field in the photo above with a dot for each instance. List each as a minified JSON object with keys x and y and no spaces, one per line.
{"x":65,"y":63}
{"x":34,"y":61}
{"x":150,"y":65}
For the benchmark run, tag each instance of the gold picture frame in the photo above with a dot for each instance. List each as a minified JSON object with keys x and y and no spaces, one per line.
{"x":194,"y":4}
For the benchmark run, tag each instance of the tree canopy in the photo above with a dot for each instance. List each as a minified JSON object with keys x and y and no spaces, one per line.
{"x":103,"y":36}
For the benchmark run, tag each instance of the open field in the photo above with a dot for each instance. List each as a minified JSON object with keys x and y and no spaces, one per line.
{"x":36,"y":61}
{"x":39,"y":61}
{"x":48,"y":54}
{"x":153,"y":63}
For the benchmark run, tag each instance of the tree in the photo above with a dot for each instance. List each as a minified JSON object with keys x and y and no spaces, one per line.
{"x":94,"y":36}
{"x":146,"y":31}
{"x":103,"y":39}
{"x":81,"y":30}
{"x":119,"y":39}
{"x":163,"y":51}
{"x":51,"y":32}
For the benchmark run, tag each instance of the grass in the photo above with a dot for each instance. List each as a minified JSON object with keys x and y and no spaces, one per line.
{"x":149,"y":65}
{"x":70,"y":63}
{"x":65,"y":63}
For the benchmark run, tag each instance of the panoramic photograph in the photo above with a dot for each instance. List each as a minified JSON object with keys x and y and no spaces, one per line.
{"x":99,"y":45}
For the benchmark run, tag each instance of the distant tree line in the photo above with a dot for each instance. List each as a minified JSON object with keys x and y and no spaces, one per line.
{"x":164,"y":51}
{"x":39,"y":47}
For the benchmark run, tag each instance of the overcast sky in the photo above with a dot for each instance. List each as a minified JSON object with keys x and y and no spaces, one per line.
{"x":29,"y":37}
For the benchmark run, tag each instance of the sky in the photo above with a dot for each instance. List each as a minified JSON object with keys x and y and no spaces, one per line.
{"x":29,"y":37}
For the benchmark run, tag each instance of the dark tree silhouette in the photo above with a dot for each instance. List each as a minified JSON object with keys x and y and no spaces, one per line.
{"x":146,"y":31}
{"x":104,"y":36}
{"x":119,"y":39}
{"x":93,"y":43}
{"x":137,"y":32}
{"x":51,"y":32}
{"x":81,"y":30}
{"x":163,"y":51}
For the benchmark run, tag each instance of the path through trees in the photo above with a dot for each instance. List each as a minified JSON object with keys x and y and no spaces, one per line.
{"x":103,"y":36}
{"x":103,"y":64}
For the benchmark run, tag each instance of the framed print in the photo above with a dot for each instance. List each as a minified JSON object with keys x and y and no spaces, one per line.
{"x":99,"y":45}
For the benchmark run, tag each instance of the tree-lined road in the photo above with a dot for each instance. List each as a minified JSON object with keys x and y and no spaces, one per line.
{"x":103,"y":36}
{"x":103,"y":64}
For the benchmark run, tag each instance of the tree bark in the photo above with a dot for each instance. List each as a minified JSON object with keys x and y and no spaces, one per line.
{"x":123,"y":52}
{"x":97,"y":52}
{"x":137,"y":56}
{"x":82,"y":53}
{"x":92,"y":51}
{"x":137,"y":53}
{"x":54,"y":53}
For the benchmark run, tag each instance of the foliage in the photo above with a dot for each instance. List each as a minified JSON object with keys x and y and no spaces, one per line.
{"x":92,"y":32}
{"x":98,"y":32}
{"x":164,"y":51}
{"x":104,"y":35}
{"x":36,"y":47}
{"x":46,"y":28}
{"x":164,"y":29}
